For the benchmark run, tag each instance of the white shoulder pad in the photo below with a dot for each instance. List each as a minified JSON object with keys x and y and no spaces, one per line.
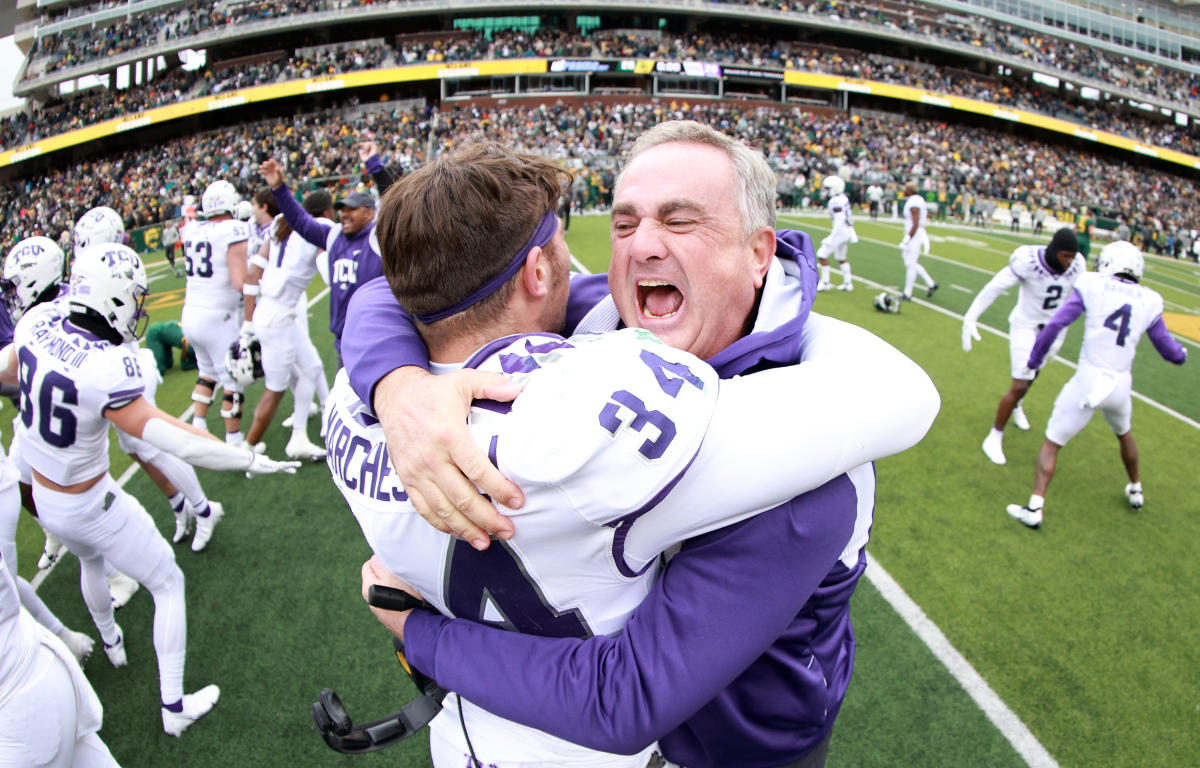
{"x":608,"y":420}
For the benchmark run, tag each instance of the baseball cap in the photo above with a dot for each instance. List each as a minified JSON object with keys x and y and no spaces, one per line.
{"x":355,"y":200}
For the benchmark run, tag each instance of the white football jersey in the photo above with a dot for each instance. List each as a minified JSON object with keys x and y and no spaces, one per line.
{"x":205,"y":246}
{"x":285,"y":279}
{"x":1117,"y":314}
{"x":257,"y":236}
{"x":839,"y":212}
{"x":68,"y":378}
{"x":605,"y":427}
{"x":1042,"y":290}
{"x":918,"y":202}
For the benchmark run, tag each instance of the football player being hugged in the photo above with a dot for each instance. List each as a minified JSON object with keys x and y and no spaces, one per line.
{"x":840,"y":237}
{"x":214,"y":252}
{"x":1118,"y":311}
{"x":77,"y":375}
{"x":274,"y":292}
{"x":1045,"y":277}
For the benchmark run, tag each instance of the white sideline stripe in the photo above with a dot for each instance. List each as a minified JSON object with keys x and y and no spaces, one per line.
{"x":1005,"y":720}
{"x":993,"y":707}
{"x":962,"y":288}
{"x":133,"y":467}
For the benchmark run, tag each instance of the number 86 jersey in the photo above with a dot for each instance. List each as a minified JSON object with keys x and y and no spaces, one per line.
{"x":68,"y":377}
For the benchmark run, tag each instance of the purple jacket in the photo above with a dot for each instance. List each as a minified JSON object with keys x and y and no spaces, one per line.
{"x":353,"y":259}
{"x":740,"y":655}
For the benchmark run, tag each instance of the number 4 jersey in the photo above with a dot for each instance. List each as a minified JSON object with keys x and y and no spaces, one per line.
{"x":622,"y":448}
{"x":68,"y":378}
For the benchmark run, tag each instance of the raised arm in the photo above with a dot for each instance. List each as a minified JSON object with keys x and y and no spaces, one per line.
{"x":299,"y":219}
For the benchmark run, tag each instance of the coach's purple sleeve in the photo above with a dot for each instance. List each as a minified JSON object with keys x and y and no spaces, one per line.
{"x":378,"y":338}
{"x":299,"y":219}
{"x":721,"y":603}
{"x":1066,"y":315}
{"x":1170,"y":349}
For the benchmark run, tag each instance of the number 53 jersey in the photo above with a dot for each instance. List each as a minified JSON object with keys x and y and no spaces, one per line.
{"x":68,"y":377}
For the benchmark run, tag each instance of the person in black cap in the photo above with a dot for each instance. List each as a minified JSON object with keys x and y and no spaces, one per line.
{"x":350,"y":245}
{"x":1045,"y":276}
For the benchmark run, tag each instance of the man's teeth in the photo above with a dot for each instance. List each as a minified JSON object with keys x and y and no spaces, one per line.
{"x":653,"y":316}
{"x":655,"y":284}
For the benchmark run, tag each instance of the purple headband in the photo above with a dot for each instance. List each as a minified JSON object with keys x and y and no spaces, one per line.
{"x":542,"y":235}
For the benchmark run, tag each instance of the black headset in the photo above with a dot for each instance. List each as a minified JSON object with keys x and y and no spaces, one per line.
{"x":334,"y":723}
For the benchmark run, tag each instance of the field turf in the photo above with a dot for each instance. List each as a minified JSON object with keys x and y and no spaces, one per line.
{"x":1085,"y":629}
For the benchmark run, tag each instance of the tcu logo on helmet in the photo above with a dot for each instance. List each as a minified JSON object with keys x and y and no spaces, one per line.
{"x":122,"y":261}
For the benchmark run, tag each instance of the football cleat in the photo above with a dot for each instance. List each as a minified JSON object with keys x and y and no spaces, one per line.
{"x":1133,"y":492}
{"x":824,"y":286}
{"x":116,"y":651}
{"x":931,"y":290}
{"x":206,"y":524}
{"x":1031,"y":518}
{"x":1019,"y":419}
{"x":993,"y":447}
{"x":78,"y":643}
{"x":195,"y":706}
{"x":846,"y":286}
{"x":299,"y":447}
{"x":183,"y":523}
{"x":121,"y":587}
{"x":52,"y":551}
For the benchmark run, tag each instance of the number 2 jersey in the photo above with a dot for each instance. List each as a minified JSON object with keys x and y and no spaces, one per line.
{"x":205,"y":247}
{"x":1042,"y":290}
{"x":606,"y":442}
{"x":68,"y":377}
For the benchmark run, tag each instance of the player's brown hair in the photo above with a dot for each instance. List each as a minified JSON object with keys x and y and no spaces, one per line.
{"x":446,"y":229}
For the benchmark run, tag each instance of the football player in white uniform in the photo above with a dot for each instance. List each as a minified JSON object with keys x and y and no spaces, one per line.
{"x":76,"y":376}
{"x":916,"y":240}
{"x":175,"y":478}
{"x":1045,"y":276}
{"x":49,"y":714}
{"x":214,"y":252}
{"x":840,"y":237}
{"x":1118,"y":311}
{"x":621,"y":443}
{"x":275,"y":292}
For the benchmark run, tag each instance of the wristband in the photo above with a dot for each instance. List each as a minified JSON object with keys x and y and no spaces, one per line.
{"x":258,"y":260}
{"x":249,"y":290}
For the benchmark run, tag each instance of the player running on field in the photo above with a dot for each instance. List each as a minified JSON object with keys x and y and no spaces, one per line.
{"x":840,"y":238}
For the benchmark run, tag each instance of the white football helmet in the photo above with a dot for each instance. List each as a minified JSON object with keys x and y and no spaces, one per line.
{"x":835,"y":184}
{"x":220,"y":197}
{"x":111,"y":281}
{"x":887,"y":302}
{"x":1121,"y":258}
{"x":98,"y":226}
{"x":245,"y":209}
{"x":244,"y":361}
{"x":33,"y":266}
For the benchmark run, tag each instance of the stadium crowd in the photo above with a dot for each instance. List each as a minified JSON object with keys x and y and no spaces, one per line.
{"x":149,"y":184}
{"x":85,"y":44}
{"x":178,"y":85}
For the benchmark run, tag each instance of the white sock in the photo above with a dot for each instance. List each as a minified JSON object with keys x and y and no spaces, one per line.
{"x":199,"y":422}
{"x":1036,"y":502}
{"x":233,"y":438}
{"x":825,"y":273}
{"x":846,"y":272}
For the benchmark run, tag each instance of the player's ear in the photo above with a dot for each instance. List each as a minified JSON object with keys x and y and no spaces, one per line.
{"x":536,"y":273}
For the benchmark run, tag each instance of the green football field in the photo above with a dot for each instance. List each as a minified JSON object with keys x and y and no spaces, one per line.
{"x":981,"y":643}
